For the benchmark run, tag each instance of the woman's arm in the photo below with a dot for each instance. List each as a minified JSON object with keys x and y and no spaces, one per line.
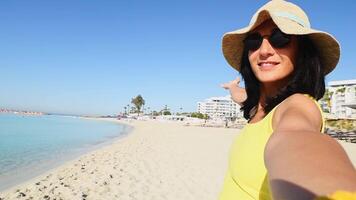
{"x":301,"y":162}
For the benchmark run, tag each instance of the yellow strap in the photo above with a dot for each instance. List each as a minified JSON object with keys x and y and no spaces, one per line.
{"x":339,"y":195}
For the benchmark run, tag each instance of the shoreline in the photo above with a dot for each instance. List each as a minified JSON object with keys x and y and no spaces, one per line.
{"x":140,"y":166}
{"x":21,"y":176}
{"x":156,"y":160}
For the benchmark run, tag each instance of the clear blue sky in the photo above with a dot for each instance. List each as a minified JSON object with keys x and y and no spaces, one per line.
{"x":92,"y":57}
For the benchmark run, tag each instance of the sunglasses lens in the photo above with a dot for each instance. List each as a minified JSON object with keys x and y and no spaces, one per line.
{"x":253,"y":41}
{"x":279,"y":39}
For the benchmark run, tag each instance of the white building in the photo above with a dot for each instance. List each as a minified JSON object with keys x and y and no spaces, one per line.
{"x":220,"y":107}
{"x":343,"y":98}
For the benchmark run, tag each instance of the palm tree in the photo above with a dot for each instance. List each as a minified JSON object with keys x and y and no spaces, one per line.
{"x":138,"y":101}
{"x":148,"y":109}
{"x":166,"y":111}
{"x":327,"y":98}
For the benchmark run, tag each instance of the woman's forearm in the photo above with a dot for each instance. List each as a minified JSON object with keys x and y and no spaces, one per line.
{"x":307,"y":163}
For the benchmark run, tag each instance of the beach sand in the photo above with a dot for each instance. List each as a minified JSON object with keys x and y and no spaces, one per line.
{"x":155,"y":161}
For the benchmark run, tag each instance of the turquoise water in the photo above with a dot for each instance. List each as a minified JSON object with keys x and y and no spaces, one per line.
{"x":30,"y":145}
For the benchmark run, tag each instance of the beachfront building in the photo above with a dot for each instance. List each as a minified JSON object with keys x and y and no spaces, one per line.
{"x":220,"y":108}
{"x":343,"y":98}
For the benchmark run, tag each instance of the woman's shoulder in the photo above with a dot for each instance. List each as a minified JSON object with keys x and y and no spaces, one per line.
{"x":300,"y":107}
{"x":299,"y":99}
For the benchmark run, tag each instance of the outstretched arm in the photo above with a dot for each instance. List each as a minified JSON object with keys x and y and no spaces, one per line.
{"x":238,"y":94}
{"x":301,"y":162}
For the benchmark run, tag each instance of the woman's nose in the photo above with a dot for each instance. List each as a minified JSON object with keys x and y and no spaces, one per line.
{"x":266,"y":48}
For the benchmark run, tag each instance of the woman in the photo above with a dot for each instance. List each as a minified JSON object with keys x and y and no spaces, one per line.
{"x":281,"y":153}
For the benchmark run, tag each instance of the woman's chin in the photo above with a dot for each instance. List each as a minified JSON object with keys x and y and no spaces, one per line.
{"x":272,"y":79}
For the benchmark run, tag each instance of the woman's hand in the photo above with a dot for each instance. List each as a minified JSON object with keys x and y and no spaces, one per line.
{"x":238,"y":94}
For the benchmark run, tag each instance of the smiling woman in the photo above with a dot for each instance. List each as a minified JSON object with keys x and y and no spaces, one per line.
{"x":268,"y":58}
{"x":283,"y":62}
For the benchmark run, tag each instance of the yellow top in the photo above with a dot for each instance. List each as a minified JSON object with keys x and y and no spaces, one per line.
{"x":339,"y":195}
{"x":246,"y":177}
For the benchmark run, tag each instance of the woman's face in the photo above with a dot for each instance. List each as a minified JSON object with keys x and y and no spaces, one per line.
{"x":271,"y":64}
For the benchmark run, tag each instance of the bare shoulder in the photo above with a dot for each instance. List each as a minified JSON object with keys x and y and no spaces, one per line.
{"x":298,"y":101}
{"x":297,"y":112}
{"x":297,"y":153}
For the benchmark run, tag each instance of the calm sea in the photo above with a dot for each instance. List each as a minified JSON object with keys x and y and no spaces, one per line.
{"x":30,"y":145}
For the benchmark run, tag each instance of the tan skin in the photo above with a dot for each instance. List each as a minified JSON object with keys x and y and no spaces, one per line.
{"x":301,"y":162}
{"x":238,"y":94}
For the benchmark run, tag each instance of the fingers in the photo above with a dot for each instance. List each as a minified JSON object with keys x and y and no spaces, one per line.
{"x":232,"y":83}
{"x":238,"y":80}
{"x":224,"y":85}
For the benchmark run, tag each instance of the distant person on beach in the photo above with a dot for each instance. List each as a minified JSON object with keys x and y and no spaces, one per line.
{"x":282,"y":153}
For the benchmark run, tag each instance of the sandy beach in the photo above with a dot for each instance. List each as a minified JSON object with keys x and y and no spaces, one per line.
{"x":155,"y":161}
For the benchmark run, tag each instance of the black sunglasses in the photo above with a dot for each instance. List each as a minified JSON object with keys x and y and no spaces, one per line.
{"x":277,"y":39}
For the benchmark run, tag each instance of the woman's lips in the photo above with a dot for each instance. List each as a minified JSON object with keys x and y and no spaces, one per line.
{"x":267,"y":65}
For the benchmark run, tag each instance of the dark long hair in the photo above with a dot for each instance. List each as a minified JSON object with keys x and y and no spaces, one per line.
{"x":307,"y":78}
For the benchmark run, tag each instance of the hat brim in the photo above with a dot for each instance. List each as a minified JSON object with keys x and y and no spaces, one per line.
{"x":326,"y":45}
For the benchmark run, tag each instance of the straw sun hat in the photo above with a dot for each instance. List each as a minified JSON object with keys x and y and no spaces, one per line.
{"x":290,"y":19}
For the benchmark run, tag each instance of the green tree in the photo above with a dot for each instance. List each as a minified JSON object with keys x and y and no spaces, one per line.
{"x":167,"y":112}
{"x":199,"y":115}
{"x":206,"y":116}
{"x":341,"y":90}
{"x":155,"y":113}
{"x":138,"y":102}
{"x":327,"y":98}
{"x":125,"y":110}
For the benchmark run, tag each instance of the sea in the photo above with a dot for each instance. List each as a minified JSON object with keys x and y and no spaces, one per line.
{"x":31,"y":145}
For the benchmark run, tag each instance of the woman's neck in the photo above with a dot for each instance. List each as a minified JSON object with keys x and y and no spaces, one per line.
{"x":268,"y":90}
{"x":271,"y":89}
